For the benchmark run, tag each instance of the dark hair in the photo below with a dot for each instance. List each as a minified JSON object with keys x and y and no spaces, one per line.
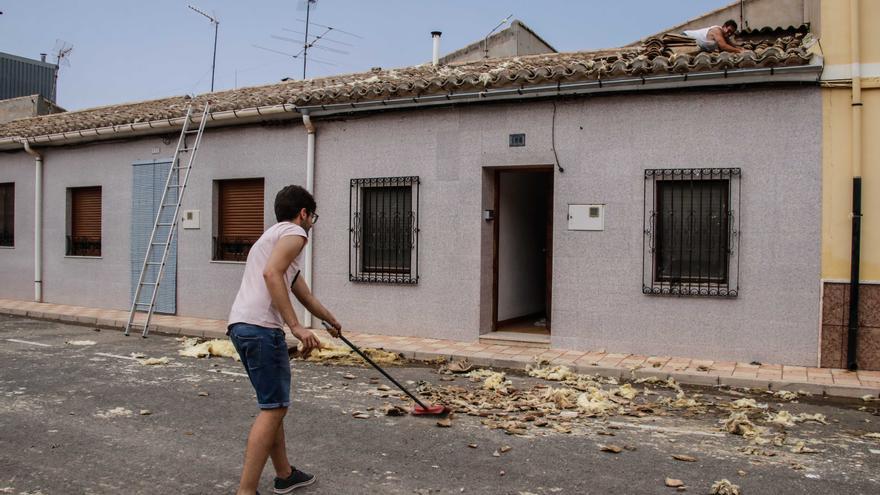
{"x":731,"y":23}
{"x":290,"y":201}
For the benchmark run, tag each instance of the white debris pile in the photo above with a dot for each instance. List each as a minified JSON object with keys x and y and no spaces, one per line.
{"x":193,"y":347}
{"x":785,"y":418}
{"x":154,"y":361}
{"x":116,"y":412}
{"x":724,"y":487}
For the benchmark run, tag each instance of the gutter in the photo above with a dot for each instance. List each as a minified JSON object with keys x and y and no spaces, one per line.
{"x":38,"y":219}
{"x":310,"y":187}
{"x":160,"y":126}
{"x":799,"y":73}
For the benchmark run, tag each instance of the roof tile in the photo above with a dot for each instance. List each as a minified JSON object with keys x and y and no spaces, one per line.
{"x":668,"y":54}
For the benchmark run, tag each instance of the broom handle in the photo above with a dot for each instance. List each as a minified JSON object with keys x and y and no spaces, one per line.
{"x":380,"y":370}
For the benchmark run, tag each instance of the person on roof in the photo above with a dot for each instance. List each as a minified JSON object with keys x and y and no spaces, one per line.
{"x":715,"y":38}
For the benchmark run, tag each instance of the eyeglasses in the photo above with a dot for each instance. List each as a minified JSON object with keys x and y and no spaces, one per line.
{"x":314,"y":217}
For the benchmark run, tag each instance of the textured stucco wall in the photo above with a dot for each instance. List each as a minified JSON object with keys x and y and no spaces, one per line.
{"x":205,"y":288}
{"x":101,"y":282}
{"x":775,"y":137}
{"x":16,"y":263}
{"x":276,"y":153}
{"x":604,"y":144}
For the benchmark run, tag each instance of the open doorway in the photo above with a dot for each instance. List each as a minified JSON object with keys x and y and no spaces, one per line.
{"x":523,"y":249}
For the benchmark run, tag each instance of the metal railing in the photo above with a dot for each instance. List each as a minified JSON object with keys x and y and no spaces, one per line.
{"x":691,"y":232}
{"x":384,"y":230}
{"x":83,"y":246}
{"x":232,"y":248}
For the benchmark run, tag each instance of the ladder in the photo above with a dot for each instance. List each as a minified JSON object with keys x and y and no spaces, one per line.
{"x":166,"y":218}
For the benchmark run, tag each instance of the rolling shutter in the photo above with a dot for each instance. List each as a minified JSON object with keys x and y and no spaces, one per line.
{"x":85,"y":222}
{"x":241,"y":217}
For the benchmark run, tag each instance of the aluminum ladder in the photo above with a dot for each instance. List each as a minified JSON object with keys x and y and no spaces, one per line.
{"x":150,"y":279}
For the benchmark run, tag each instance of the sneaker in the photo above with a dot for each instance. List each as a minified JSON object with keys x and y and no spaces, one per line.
{"x":297,"y":479}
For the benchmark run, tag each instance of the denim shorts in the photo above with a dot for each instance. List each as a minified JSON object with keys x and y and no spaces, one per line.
{"x":263,"y":353}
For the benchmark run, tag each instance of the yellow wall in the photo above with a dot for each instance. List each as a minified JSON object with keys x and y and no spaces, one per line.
{"x":837,"y":147}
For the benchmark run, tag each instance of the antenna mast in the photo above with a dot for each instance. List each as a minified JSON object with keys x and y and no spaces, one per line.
{"x":306,"y":37}
{"x":216,"y":24}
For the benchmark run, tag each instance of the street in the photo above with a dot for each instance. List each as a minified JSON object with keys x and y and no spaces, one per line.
{"x":80,"y":415}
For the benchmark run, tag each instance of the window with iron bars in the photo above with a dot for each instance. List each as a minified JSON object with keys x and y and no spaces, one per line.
{"x":384,"y":230}
{"x":691,"y":232}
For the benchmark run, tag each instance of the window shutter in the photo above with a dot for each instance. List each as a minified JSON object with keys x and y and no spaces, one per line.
{"x":86,"y":213}
{"x":240,"y":218}
{"x":241,"y":209}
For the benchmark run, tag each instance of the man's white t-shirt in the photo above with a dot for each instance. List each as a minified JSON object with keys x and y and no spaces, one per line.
{"x":253,"y":304}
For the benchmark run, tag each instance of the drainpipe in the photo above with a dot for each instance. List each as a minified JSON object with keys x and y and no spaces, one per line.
{"x":310,"y":186}
{"x":38,"y":220}
{"x":853,"y":330}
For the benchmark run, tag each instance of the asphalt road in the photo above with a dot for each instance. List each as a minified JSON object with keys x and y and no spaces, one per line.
{"x":59,"y":433}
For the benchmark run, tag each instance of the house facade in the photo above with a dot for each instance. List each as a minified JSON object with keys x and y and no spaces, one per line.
{"x":637,"y":200}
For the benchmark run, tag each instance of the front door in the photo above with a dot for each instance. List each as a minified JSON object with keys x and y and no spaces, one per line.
{"x":524,"y":250}
{"x":147,"y":186}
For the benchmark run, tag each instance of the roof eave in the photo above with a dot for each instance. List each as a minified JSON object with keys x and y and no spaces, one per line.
{"x":798,"y":73}
{"x":790,"y":74}
{"x":154,"y":127}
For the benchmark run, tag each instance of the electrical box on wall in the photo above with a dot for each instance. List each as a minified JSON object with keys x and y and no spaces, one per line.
{"x":586,"y":217}
{"x":190,"y":219}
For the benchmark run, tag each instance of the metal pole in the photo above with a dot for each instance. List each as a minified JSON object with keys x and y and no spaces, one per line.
{"x":306,"y":38}
{"x":214,"y":61}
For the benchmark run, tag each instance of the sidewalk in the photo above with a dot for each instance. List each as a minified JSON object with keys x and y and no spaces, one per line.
{"x":775,"y":377}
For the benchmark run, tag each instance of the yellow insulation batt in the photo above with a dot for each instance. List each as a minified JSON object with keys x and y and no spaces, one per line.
{"x":222,"y":348}
{"x":335,"y":354}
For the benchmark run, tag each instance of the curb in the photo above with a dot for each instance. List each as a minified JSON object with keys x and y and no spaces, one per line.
{"x":519,"y":364}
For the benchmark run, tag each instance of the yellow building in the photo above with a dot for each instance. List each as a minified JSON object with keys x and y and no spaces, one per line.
{"x":850,"y":45}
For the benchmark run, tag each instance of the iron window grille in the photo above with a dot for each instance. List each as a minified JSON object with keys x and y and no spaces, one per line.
{"x":384,"y":230}
{"x":691,"y":232}
{"x":233,"y":248}
{"x":7,"y":214}
{"x":83,"y":246}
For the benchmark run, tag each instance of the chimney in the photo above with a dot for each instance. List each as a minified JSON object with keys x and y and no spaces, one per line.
{"x":42,"y":57}
{"x":436,"y":36}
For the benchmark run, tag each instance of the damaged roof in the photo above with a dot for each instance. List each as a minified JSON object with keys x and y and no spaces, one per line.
{"x":656,"y":56}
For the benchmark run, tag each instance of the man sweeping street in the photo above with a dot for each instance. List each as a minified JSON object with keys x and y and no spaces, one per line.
{"x":256,"y":322}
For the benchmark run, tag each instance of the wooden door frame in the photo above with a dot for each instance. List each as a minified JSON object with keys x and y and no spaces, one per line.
{"x":496,"y":226}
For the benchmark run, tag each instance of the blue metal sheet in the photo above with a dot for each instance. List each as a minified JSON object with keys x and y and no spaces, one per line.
{"x":148,"y":183}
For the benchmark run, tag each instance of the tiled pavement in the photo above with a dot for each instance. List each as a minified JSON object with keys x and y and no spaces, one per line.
{"x":833,"y":382}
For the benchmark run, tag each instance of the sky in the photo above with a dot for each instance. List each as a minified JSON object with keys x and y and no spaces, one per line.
{"x":128,"y":50}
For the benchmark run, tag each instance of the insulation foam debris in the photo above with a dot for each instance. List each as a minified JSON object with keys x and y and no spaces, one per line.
{"x":216,"y":347}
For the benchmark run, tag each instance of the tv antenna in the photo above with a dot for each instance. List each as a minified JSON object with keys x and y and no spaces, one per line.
{"x":216,"y":24}
{"x":293,"y":55}
{"x":62,"y":53}
{"x":486,"y":39}
{"x":307,"y":44}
